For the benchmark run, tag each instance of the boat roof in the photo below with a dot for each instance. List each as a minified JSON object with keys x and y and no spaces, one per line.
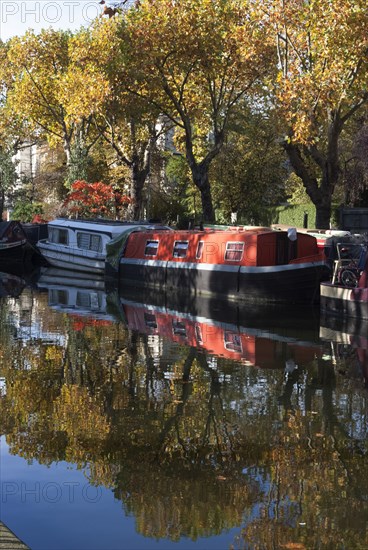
{"x":5,"y":226}
{"x":103,"y":225}
{"x":230,"y":231}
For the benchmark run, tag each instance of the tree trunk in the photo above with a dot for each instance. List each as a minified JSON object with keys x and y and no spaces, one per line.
{"x":320,"y":195}
{"x":140,"y":165}
{"x":200,"y":169}
{"x":67,"y":150}
{"x":138,"y":178}
{"x":323,"y":216}
{"x":201,"y":180}
{"x":2,"y":201}
{"x":327,"y":164}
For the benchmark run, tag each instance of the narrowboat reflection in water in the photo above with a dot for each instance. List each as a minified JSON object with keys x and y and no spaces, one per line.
{"x":253,"y":339}
{"x":260,"y":337}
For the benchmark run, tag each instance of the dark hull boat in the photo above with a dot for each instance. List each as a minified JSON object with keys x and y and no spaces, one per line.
{"x":256,"y":264}
{"x":14,"y":244}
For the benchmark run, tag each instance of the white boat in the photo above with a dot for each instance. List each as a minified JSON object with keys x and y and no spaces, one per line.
{"x":81,"y":244}
{"x":346,"y":295}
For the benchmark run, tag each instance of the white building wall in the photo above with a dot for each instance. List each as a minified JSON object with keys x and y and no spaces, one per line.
{"x":27,"y":161}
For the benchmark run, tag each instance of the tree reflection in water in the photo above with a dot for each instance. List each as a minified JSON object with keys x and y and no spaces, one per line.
{"x":192,"y":444}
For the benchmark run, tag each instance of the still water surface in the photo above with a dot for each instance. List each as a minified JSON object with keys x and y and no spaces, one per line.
{"x":137,"y":422}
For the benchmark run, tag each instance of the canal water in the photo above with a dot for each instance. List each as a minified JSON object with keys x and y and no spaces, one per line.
{"x":131,"y":421}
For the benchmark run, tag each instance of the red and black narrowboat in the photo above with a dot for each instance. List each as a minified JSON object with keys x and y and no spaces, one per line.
{"x":257,"y":264}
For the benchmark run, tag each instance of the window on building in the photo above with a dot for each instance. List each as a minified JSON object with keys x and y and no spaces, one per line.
{"x":234,"y":251}
{"x":58,"y":297}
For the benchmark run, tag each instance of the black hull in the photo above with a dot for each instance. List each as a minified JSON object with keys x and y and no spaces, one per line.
{"x":298,"y":283}
{"x":19,"y":253}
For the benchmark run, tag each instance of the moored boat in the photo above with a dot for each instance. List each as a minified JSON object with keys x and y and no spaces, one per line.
{"x":81,"y":244}
{"x":14,"y":244}
{"x":253,"y":264}
{"x":35,"y":231}
{"x":347,"y":293}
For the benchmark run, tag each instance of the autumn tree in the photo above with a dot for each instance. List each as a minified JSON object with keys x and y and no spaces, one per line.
{"x":8,"y":175}
{"x":322,"y":83}
{"x":249,"y":173}
{"x":355,"y":170}
{"x":39,"y":66}
{"x":12,"y":131}
{"x":194,"y":61}
{"x":97,"y":88}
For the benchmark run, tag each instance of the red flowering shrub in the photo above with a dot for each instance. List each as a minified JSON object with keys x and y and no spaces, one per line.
{"x":38,"y":219}
{"x":95,"y":199}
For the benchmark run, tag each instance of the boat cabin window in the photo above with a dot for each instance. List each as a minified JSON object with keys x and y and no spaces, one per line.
{"x":150,"y":320}
{"x":233,"y":342}
{"x":234,"y":251}
{"x":89,"y":241}
{"x":58,"y":297}
{"x":199,"y":250}
{"x":87,"y":300}
{"x":151,"y":248}
{"x":198,"y":334}
{"x":180,"y":249}
{"x":58,"y":235}
{"x":178,"y":328}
